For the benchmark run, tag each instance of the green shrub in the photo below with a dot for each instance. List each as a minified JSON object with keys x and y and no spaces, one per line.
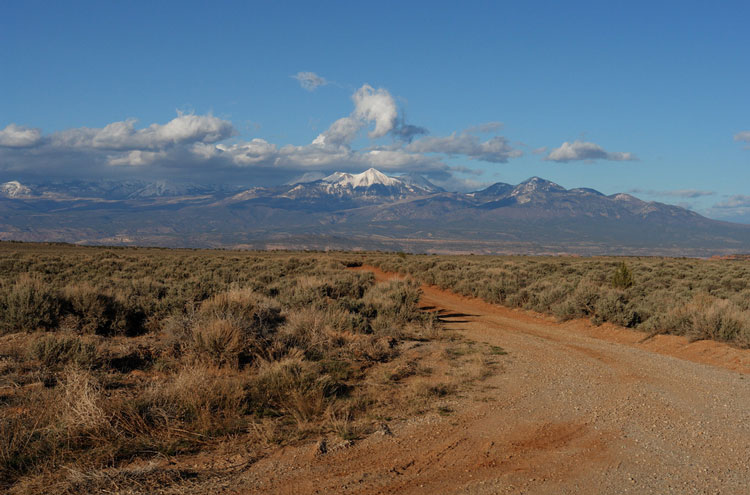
{"x":29,"y":305}
{"x":57,"y":351}
{"x":96,"y":311}
{"x":622,"y":278}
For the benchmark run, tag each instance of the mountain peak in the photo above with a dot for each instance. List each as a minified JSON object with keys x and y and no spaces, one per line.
{"x":369,"y":177}
{"x":14,"y":189}
{"x":537,"y":184}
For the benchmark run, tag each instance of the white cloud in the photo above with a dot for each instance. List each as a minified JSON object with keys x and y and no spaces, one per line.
{"x":16,"y":136}
{"x":370,"y":105}
{"x":136,"y":158}
{"x":310,"y":80}
{"x":376,"y":106}
{"x":742,"y":136}
{"x":495,"y":149}
{"x":580,"y":150}
{"x":249,"y":152}
{"x":123,"y":136}
{"x":191,"y":145}
{"x":340,"y":133}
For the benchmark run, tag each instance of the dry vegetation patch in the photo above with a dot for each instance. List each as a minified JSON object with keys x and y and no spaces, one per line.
{"x":114,"y":361}
{"x":701,"y":299}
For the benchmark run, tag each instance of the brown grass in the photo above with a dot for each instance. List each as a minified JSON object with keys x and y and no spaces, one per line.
{"x":110,"y":359}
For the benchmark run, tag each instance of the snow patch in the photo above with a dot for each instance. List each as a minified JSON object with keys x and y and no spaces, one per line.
{"x":14,"y":189}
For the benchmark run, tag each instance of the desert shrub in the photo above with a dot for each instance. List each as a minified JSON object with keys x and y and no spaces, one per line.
{"x":54,"y":351}
{"x":27,"y":305}
{"x":98,"y":312}
{"x":292,"y":386}
{"x":613,"y":306}
{"x":220,"y":341}
{"x":256,"y":315}
{"x":544,"y":295}
{"x":305,"y":291}
{"x":309,"y":331}
{"x":234,"y":326}
{"x":622,"y":278}
{"x":579,"y":303}
{"x":391,"y":305}
{"x":707,"y":317}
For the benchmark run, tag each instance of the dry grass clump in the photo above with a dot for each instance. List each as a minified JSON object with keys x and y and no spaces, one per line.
{"x":81,"y":398}
{"x":293,"y":386}
{"x":220,"y":341}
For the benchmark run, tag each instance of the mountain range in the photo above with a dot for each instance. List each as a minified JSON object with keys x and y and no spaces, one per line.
{"x":369,"y":210}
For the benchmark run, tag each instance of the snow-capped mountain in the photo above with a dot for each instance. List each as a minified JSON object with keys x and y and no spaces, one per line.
{"x":368,"y":187}
{"x":368,"y":210}
{"x":14,"y":189}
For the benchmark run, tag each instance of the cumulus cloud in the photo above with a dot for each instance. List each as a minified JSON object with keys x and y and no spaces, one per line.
{"x":370,"y":106}
{"x":309,"y":80}
{"x":580,"y":150}
{"x":194,"y":146}
{"x":376,"y":105}
{"x":314,"y":157}
{"x":123,"y":136}
{"x":340,"y":133}
{"x":136,"y":158}
{"x":495,"y":149}
{"x":16,"y":136}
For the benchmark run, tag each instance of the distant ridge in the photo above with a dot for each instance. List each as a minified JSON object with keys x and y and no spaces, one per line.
{"x":368,"y":210}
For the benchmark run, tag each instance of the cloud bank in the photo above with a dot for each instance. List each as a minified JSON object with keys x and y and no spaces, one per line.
{"x":15,"y":136}
{"x":580,"y":150}
{"x":193,"y":145}
{"x":494,"y":150}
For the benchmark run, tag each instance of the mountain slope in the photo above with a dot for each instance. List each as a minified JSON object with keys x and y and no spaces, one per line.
{"x":369,"y":210}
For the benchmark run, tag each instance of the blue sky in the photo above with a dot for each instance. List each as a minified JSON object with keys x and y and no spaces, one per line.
{"x":645,"y":97}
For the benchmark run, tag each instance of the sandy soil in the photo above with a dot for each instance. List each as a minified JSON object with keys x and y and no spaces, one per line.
{"x":576,"y":409}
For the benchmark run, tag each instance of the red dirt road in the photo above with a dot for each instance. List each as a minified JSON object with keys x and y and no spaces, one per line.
{"x":576,"y":409}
